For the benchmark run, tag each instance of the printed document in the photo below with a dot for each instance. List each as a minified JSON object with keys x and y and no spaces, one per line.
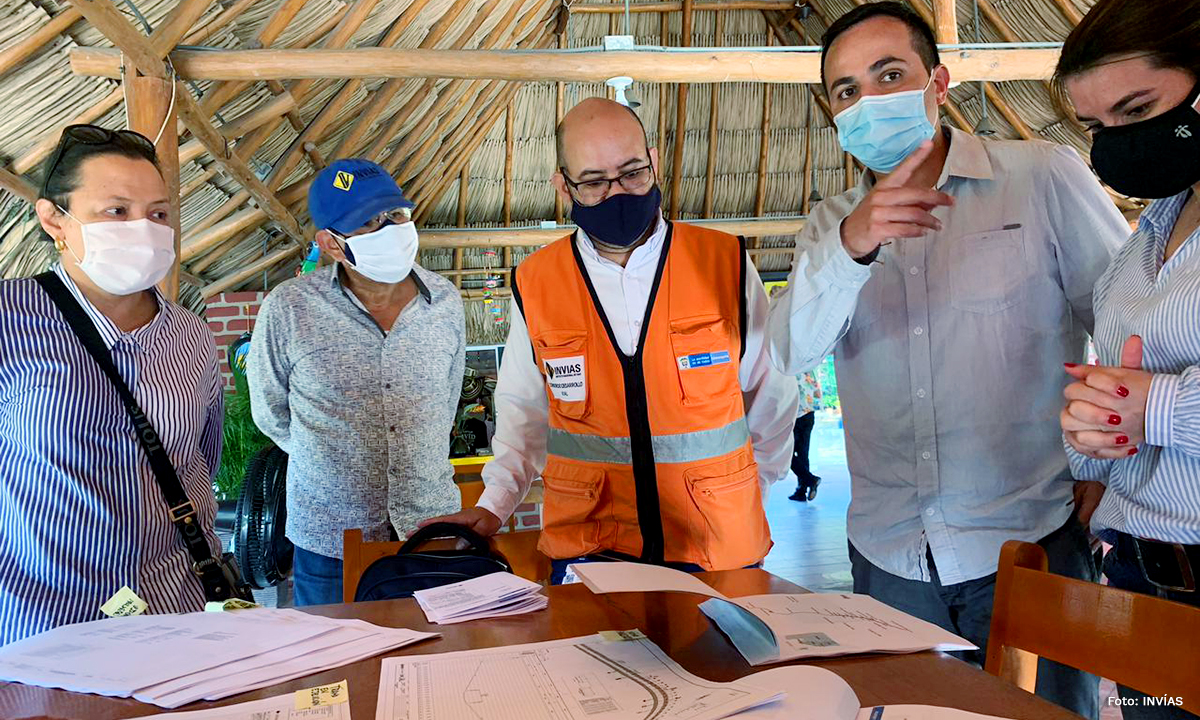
{"x":329,"y":702}
{"x":614,"y":577}
{"x":496,"y":595}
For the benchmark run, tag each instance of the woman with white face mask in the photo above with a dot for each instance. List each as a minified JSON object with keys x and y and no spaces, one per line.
{"x":1132,"y":72}
{"x":86,"y":513}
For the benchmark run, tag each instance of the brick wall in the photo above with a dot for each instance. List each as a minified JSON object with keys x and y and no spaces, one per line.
{"x":229,"y":315}
{"x":529,"y":516}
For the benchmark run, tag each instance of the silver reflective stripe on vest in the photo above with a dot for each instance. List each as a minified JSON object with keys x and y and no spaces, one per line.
{"x":682,"y":448}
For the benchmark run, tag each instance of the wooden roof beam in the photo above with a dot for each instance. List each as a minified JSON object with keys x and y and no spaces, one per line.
{"x":222,"y":20}
{"x":45,"y":145}
{"x":681,"y":97}
{"x":18,"y":52}
{"x":800,"y":66}
{"x":18,"y":186}
{"x":533,"y":236}
{"x":241,"y":276}
{"x":945,"y":22}
{"x":667,"y":7}
{"x":176,"y":25}
{"x":242,"y":124}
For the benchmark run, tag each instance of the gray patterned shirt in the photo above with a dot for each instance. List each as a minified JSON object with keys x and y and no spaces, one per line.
{"x":365,"y":416}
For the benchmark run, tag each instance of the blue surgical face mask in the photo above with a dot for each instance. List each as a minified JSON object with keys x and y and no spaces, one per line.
{"x":882,"y":130}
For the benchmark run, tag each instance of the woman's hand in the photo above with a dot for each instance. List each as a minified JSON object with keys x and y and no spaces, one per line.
{"x":1105,"y":415}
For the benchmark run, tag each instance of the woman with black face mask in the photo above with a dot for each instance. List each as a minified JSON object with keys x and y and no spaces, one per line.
{"x":1132,"y":72}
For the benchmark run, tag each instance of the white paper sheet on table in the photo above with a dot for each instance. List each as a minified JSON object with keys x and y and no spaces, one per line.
{"x":499,"y":594}
{"x":815,"y":693}
{"x":774,"y":628}
{"x":613,"y":577}
{"x":118,"y":656}
{"x":584,"y":678}
{"x":281,"y":707}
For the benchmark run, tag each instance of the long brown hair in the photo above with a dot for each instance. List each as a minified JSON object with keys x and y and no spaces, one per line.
{"x":1165,"y":32}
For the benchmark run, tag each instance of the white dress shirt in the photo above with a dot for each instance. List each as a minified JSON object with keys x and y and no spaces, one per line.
{"x":950,"y":370}
{"x":522,"y":411}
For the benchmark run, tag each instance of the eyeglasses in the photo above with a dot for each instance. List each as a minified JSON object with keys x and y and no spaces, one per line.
{"x":592,"y":192}
{"x":398,"y":216}
{"x":96,"y":135}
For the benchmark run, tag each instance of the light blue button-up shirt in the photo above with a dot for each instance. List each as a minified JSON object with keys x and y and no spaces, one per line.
{"x":1156,"y":493}
{"x":949,"y":353}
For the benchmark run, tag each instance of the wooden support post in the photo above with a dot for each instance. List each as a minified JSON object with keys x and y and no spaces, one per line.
{"x":506,"y":206}
{"x":458,"y":266}
{"x":150,"y":110}
{"x":663,"y":96}
{"x":945,"y":23}
{"x":685,"y":40}
{"x":559,"y":111}
{"x":464,"y":185}
{"x":15,"y":54}
{"x":764,"y":149}
{"x":807,"y":186}
{"x":714,"y":127}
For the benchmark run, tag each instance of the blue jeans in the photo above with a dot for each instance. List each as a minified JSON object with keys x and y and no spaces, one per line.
{"x":1123,"y":571}
{"x":317,"y":579}
{"x":966,"y":609}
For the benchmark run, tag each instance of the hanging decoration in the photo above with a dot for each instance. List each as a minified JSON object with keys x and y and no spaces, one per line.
{"x":490,"y":283}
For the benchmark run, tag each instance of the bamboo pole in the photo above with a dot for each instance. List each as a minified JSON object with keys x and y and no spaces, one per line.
{"x":807,"y":186}
{"x":194,"y":184}
{"x":17,"y":53}
{"x":685,"y":40}
{"x":212,"y":27}
{"x":464,"y":184}
{"x":1069,"y":11}
{"x":945,"y":22}
{"x":218,"y":251}
{"x":764,"y":148}
{"x":799,"y":66}
{"x":535,"y":236}
{"x":234,"y":202}
{"x":250,"y":271}
{"x":713,"y":126}
{"x":198,"y":243}
{"x":506,"y":206}
{"x":48,"y":141}
{"x":242,"y":125}
{"x":559,"y":112}
{"x":18,"y":185}
{"x":668,"y":7}
{"x":172,"y":28}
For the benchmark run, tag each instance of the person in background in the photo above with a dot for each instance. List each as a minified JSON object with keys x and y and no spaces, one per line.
{"x":635,"y":379}
{"x":806,"y":415}
{"x":1132,"y":423}
{"x":355,"y":371}
{"x":81,"y":512}
{"x":951,"y":284}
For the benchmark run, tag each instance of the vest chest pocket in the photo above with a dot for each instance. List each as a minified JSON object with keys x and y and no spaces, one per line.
{"x":562,"y":357}
{"x":704,"y":359}
{"x":730,"y":524}
{"x":571,"y":509}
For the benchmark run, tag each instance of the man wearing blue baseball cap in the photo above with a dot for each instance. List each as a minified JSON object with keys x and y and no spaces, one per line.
{"x":355,"y":371}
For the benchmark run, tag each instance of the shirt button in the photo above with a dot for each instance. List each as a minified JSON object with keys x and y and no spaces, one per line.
{"x":920,"y":392}
{"x":393,"y":429}
{"x":924,"y":456}
{"x":929,"y":512}
{"x":918,"y":330}
{"x":388,"y":386}
{"x":913,"y":271}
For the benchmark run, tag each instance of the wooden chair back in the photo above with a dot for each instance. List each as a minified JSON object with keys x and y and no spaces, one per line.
{"x":1140,"y":641}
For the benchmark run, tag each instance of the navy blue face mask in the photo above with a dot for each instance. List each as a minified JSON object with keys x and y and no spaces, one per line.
{"x":621,"y":220}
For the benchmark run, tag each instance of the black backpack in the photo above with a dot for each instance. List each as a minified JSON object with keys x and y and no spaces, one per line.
{"x":400,"y":575}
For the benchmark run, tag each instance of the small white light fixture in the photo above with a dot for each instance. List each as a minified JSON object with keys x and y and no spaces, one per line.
{"x":620,"y":85}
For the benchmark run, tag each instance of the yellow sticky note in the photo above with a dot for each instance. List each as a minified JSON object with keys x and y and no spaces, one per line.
{"x":622,"y":635}
{"x":125,"y":602}
{"x":321,"y":696}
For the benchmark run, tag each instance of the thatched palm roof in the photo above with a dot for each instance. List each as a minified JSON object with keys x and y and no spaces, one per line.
{"x":429,"y":130}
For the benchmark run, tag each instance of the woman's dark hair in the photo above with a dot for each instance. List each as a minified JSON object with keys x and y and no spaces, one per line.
{"x":1165,"y":32}
{"x":80,"y":143}
{"x":923,"y":40}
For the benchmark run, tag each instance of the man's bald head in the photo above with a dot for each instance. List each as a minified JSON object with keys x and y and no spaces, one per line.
{"x":598,"y":127}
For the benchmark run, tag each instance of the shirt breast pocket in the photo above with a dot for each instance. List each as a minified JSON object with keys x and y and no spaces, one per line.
{"x":704,"y":359}
{"x":988,"y":272}
{"x":562,"y":356}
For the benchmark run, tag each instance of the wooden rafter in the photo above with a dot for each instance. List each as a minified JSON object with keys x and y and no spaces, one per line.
{"x":1069,"y":11}
{"x":242,"y":124}
{"x":18,"y":185}
{"x":685,"y":40}
{"x":714,"y":126}
{"x":265,"y":264}
{"x":668,"y":7}
{"x":506,"y":204}
{"x":176,"y":25}
{"x":764,"y":149}
{"x":533,"y":236}
{"x":800,"y":66}
{"x":220,"y":22}
{"x":17,"y":53}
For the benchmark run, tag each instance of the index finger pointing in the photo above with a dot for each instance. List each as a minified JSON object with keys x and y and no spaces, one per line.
{"x":901,"y":175}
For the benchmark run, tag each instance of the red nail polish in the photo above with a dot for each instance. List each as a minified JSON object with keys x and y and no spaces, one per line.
{"x":1114,"y":419}
{"x":1121,"y":439}
{"x":1133,"y":451}
{"x":1123,"y":391}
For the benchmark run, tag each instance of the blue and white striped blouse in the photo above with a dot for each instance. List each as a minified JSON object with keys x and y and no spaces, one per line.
{"x":1156,"y":493}
{"x":80,"y":512}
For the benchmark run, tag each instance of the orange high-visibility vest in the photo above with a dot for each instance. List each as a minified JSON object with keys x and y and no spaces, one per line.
{"x":649,"y":455}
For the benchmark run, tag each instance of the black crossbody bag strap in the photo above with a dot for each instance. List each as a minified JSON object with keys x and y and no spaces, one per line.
{"x":181,"y":511}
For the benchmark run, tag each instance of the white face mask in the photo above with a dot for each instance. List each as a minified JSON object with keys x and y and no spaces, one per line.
{"x":386,"y":255}
{"x":126,"y":257}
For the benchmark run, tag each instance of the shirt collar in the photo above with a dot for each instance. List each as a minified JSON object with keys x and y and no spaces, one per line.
{"x":1159,"y":217}
{"x":335,"y":281}
{"x":966,"y":158}
{"x":144,"y":337}
{"x":645,"y":252}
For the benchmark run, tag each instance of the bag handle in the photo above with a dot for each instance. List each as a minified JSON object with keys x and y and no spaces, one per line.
{"x":441,"y":530}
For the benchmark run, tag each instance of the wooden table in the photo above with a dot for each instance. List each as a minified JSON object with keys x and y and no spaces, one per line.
{"x":670,"y":620}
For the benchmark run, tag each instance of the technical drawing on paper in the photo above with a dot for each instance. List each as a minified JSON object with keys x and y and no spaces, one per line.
{"x":578,"y":679}
{"x":814,"y":616}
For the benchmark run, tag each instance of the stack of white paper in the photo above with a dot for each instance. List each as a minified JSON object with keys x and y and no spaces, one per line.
{"x":496,"y":595}
{"x":328,"y":702}
{"x":170,"y":660}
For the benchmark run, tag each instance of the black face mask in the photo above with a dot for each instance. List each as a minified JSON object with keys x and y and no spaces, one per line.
{"x":621,"y":220}
{"x":1154,"y":158}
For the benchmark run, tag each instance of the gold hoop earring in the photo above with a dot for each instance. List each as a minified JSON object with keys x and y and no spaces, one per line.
{"x":60,"y":245}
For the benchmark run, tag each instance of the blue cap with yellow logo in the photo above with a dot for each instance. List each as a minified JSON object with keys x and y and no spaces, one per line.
{"x":348,"y":193}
